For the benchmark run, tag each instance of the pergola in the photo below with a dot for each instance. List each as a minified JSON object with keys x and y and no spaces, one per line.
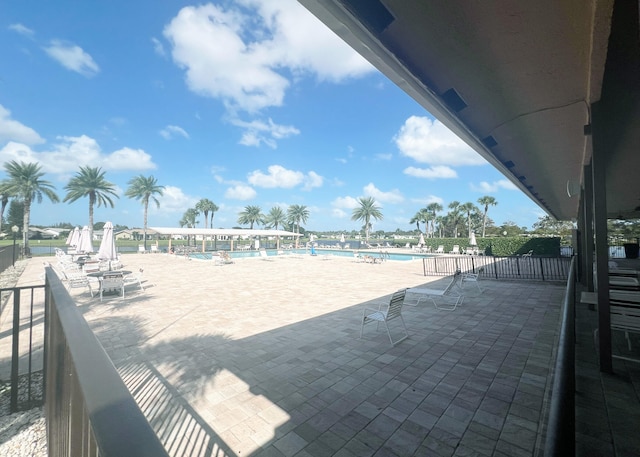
{"x":231,"y":233}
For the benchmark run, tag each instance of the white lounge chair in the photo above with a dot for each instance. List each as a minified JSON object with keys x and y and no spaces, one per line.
{"x":440,"y":250}
{"x":264,"y":255}
{"x":77,"y":279}
{"x":132,"y":278}
{"x":393,"y":311}
{"x":455,"y":249}
{"x":443,"y":299}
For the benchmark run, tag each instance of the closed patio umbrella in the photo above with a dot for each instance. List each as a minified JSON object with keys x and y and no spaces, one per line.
{"x":472,"y":239}
{"x":74,"y":237}
{"x":107,"y":249}
{"x":421,"y":240}
{"x":85,"y":244}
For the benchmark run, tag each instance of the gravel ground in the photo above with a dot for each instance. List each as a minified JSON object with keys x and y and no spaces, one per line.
{"x":21,"y":434}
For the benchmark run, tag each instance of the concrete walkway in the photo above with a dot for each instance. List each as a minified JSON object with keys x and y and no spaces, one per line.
{"x":262,"y":358}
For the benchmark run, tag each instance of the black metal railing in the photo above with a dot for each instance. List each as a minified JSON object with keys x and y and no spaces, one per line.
{"x":8,"y":256}
{"x":27,"y":344}
{"x":509,"y":267}
{"x":88,"y":409}
{"x":561,"y":427}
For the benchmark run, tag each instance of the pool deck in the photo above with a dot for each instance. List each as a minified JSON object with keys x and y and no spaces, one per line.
{"x":263,"y":358}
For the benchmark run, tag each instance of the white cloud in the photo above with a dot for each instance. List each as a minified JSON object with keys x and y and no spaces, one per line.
{"x":345,"y":202}
{"x":174,"y":200}
{"x":22,"y":30}
{"x":439,"y":171}
{"x":240,"y":192}
{"x":72,"y":57}
{"x":72,"y":152}
{"x":128,"y":159}
{"x":428,"y":199}
{"x":259,"y":132}
{"x":393,"y":196}
{"x":12,"y":130}
{"x":241,"y":57}
{"x":338,"y":213}
{"x":171,"y":131}
{"x":278,"y":176}
{"x":312,"y":180}
{"x":430,"y":142}
{"x":158,"y":48}
{"x":489,"y":188}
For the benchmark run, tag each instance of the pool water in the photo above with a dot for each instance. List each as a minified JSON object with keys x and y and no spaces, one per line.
{"x":336,"y":252}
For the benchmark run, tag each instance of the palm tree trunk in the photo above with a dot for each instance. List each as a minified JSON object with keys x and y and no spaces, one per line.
{"x":484,"y":221}
{"x":144,"y":228}
{"x":25,"y":227}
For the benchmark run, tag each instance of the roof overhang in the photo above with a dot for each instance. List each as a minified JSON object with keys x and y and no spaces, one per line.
{"x":515,"y":80}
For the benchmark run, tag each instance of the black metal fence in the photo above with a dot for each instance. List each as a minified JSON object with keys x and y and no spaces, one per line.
{"x":27,"y":345}
{"x":88,"y":408}
{"x":8,"y":256}
{"x":496,"y":267}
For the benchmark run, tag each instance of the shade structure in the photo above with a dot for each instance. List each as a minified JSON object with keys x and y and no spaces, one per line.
{"x":86,"y":243}
{"x":74,"y":237}
{"x":421,"y":240}
{"x":342,"y":238}
{"x":472,"y":239}
{"x":107,"y":249}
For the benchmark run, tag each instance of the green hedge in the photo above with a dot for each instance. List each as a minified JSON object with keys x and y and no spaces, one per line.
{"x":502,"y":246}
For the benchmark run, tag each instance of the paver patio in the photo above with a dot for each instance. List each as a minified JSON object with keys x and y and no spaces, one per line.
{"x":263,"y":358}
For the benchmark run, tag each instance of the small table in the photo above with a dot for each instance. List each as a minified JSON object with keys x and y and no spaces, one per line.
{"x":100,"y":274}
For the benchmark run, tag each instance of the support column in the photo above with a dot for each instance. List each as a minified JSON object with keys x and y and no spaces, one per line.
{"x":588,"y":228}
{"x":598,"y":170}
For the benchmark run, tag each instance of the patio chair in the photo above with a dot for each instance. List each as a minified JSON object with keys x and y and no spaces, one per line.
{"x":141,"y":249}
{"x":528,"y":254}
{"x":154,"y":249}
{"x":393,"y":311}
{"x":112,"y":282}
{"x":455,"y":249}
{"x":440,"y":250}
{"x":473,"y":278}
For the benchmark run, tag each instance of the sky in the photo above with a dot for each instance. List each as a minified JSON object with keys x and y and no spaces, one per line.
{"x":245,"y":102}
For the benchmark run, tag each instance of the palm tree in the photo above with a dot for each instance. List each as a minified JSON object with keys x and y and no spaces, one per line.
{"x":213,"y":208}
{"x":189,"y":219}
{"x":454,"y":216}
{"x":90,"y":182}
{"x":25,"y":184}
{"x":275,"y":218}
{"x":205,"y":206}
{"x":4,"y":200}
{"x":365,"y":212}
{"x":468,"y":208}
{"x":433,"y":209}
{"x":420,"y":216}
{"x":486,"y":201}
{"x":252,"y":214}
{"x":297,"y":214}
{"x":144,"y":189}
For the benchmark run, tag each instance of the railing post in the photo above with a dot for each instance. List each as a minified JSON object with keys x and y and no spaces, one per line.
{"x":13,"y":407}
{"x":541,"y":268}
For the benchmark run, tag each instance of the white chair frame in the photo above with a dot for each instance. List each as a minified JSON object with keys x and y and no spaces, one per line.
{"x":393,"y":311}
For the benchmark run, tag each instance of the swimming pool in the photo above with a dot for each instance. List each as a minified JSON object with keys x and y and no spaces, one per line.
{"x":389,"y":255}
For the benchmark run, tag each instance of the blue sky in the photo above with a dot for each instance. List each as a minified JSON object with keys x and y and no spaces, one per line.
{"x":244,"y":103}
